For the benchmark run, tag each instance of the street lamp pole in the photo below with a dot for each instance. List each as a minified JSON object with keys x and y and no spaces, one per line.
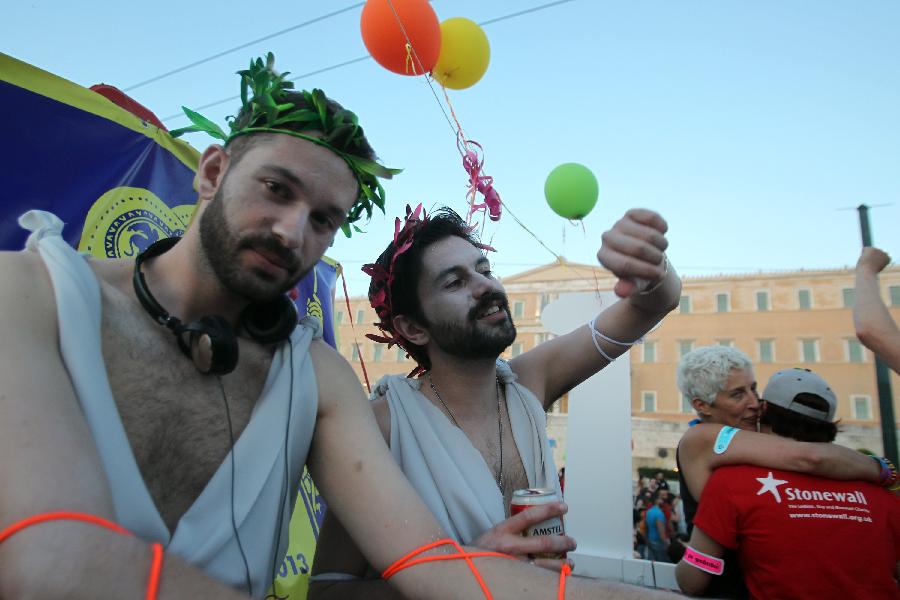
{"x":882,"y":375}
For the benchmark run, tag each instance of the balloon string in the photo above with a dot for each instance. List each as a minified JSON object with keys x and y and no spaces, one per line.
{"x":522,"y":225}
{"x":409,"y":59}
{"x":410,"y":49}
{"x":474,"y":165}
{"x":457,"y":129}
{"x":477,"y":181}
{"x":461,"y":140}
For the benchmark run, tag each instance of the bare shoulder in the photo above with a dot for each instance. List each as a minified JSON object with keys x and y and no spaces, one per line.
{"x":337,"y":381}
{"x":382,"y":411}
{"x":326,"y":360}
{"x":698,"y":439}
{"x":26,"y":297}
{"x":20,"y":267}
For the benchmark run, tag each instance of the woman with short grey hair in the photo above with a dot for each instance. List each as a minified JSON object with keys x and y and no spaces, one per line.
{"x":721,"y":386}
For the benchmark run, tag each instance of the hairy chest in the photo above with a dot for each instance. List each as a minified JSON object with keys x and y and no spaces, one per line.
{"x":180,"y":424}
{"x":500,"y":452}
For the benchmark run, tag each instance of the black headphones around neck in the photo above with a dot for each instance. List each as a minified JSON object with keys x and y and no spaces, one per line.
{"x":213,"y":344}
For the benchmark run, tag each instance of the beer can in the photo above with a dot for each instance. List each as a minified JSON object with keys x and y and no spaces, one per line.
{"x":527,"y":498}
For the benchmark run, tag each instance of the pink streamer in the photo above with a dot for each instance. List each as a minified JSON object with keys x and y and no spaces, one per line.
{"x":473,"y":163}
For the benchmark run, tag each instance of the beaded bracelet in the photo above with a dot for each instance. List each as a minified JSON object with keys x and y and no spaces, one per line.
{"x":888,"y":477}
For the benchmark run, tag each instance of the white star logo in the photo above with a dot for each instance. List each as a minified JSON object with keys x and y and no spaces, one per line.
{"x":770,"y":484}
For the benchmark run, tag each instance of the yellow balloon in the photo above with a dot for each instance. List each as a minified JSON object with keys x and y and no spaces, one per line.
{"x":465,"y":54}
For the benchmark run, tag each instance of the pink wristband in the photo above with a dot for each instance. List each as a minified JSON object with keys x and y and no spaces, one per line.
{"x":704,"y":562}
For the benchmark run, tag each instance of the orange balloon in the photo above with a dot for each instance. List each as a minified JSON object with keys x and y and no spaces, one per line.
{"x":386,"y":42}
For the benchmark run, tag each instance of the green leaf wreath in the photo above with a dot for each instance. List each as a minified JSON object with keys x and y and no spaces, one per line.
{"x":263,"y":101}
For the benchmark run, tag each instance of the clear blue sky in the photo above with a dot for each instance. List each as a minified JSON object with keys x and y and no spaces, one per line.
{"x":746,"y":124}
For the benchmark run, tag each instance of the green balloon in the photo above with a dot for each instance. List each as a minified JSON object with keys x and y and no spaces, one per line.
{"x":571,"y":190}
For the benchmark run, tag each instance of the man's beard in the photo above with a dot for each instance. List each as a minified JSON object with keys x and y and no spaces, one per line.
{"x":222,"y":247}
{"x":471,"y":339}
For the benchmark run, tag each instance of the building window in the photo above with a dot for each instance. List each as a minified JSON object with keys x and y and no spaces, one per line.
{"x":379,"y":349}
{"x":862,"y":407}
{"x":849,"y":295}
{"x":766,"y":351}
{"x":518,"y":309}
{"x":360,"y":315}
{"x":339,"y":317}
{"x":649,"y":351}
{"x":354,"y":353}
{"x":804,"y":299}
{"x":726,"y":343}
{"x":401,"y":354}
{"x":894,"y":293}
{"x":684,"y":305}
{"x":648,"y":399}
{"x":854,"y":351}
{"x":722,"y":303}
{"x":543,"y":337}
{"x":516,"y":349}
{"x":762,"y":301}
{"x":685,"y":346}
{"x":809,"y":351}
{"x":686,"y":406}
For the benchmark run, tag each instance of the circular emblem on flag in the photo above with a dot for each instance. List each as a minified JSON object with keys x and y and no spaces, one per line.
{"x":124,"y":221}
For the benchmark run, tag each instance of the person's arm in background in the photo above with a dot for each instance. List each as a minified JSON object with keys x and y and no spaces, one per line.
{"x":692,"y":580}
{"x":763,"y":450}
{"x":874,"y":326}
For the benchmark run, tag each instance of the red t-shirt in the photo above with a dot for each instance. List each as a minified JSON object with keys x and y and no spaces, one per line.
{"x":800,"y":536}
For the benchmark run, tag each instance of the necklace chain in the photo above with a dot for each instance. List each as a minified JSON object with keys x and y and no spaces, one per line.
{"x":499,"y":425}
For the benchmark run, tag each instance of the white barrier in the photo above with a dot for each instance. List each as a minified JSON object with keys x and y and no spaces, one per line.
{"x":598,"y":463}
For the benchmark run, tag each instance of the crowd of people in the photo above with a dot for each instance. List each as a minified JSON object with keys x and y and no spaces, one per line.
{"x":658,"y":520}
{"x":154,"y":454}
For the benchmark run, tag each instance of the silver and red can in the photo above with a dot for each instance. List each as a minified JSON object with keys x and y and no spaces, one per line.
{"x":529,"y":497}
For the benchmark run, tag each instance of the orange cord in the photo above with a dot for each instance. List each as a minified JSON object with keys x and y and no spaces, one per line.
{"x":408,"y":561}
{"x":155,"y":572}
{"x":564,"y":571}
{"x":155,"y":566}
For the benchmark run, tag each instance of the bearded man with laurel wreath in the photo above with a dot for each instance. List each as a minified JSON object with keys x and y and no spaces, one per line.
{"x":111,"y":472}
{"x":472,"y":428}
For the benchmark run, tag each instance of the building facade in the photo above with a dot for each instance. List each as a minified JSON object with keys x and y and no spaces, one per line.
{"x":781,"y":320}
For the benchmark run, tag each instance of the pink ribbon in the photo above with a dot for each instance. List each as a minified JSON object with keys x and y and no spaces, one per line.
{"x":473,"y":163}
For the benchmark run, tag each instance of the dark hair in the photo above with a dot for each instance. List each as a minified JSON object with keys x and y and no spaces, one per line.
{"x":788,"y":423}
{"x":239,"y":146}
{"x":404,"y":294}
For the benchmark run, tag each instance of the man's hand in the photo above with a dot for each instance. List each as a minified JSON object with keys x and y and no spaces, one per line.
{"x":633,"y":251}
{"x":872,"y":260}
{"x":507,"y":537}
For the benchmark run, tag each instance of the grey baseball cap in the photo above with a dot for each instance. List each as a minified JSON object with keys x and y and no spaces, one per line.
{"x":784,"y":386}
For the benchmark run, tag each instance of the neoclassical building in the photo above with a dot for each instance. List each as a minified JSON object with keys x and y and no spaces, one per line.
{"x":781,"y":319}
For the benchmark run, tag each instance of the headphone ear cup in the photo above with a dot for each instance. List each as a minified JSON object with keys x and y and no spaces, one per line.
{"x":213,"y":345}
{"x":270,"y":322}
